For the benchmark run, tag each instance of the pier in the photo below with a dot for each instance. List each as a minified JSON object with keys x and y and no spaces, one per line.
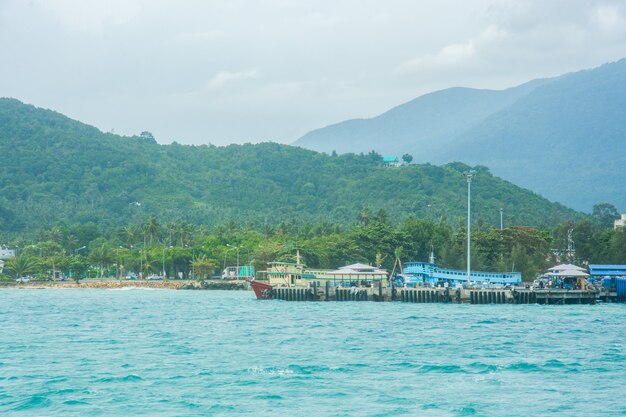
{"x":379,"y":293}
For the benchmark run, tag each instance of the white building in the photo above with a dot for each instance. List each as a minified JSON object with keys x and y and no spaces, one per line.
{"x":6,"y":253}
{"x":621,"y":222}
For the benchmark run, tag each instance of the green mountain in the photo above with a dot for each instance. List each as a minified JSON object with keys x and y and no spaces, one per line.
{"x":562,"y":137}
{"x":54,"y":170}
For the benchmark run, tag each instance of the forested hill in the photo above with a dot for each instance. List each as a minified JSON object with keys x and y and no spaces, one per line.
{"x":563,"y":137}
{"x":55,"y":171}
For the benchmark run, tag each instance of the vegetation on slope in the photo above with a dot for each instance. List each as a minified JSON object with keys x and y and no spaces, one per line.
{"x":563,"y":137}
{"x":56,"y":171}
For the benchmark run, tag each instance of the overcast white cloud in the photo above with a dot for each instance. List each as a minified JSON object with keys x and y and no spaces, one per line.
{"x":233,"y":71}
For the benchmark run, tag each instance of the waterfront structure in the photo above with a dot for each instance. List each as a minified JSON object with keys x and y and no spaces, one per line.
{"x":567,"y":276}
{"x":288,"y":274}
{"x":565,"y":267}
{"x":430,"y":274}
{"x":243,"y":272}
{"x":599,"y":271}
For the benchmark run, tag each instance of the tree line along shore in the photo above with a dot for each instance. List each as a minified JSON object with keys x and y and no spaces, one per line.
{"x":197,"y":252}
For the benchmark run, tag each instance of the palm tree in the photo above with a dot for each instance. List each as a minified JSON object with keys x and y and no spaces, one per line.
{"x":71,"y":243}
{"x":22,"y":265}
{"x":101,"y":256}
{"x":131,"y":233}
{"x":171,"y":229}
{"x":152,"y":228}
{"x":56,"y":235}
{"x":201,"y":231}
{"x":185,"y":230}
{"x":149,"y":264}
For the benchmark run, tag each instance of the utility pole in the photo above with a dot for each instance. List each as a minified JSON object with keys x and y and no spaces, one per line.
{"x":501,"y":210}
{"x":468,"y":176}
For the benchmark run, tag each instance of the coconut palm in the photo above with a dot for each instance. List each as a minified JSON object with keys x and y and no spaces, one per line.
{"x":56,"y":235}
{"x":21,"y":265}
{"x":171,"y":228}
{"x":150,"y":263}
{"x":131,"y":234}
{"x":101,"y":256}
{"x":152,"y":229}
{"x":185,"y":231}
{"x":71,"y":243}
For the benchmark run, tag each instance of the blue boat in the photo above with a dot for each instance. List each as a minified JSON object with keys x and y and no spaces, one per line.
{"x":430,"y":274}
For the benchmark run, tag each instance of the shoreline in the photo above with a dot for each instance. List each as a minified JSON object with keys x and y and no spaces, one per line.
{"x":169,"y":284}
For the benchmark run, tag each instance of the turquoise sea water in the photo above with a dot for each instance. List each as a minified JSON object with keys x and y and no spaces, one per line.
{"x":205,"y":353}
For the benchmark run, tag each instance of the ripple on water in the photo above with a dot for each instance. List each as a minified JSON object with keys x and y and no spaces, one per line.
{"x":127,"y":378}
{"x":444,"y":369}
{"x":32,"y":403}
{"x":173,"y":353}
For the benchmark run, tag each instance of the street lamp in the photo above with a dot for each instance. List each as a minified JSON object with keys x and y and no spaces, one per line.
{"x":119,"y":262}
{"x":78,"y":250}
{"x":165,"y":247}
{"x":468,"y":176}
{"x":236,"y":247}
{"x":193,"y":266}
{"x":140,"y":264}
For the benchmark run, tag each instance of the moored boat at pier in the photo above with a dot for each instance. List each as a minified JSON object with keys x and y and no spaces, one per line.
{"x":262,"y":290}
{"x":431,"y":274}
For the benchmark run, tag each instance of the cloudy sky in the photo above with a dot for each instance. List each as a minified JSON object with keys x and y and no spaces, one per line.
{"x":224,"y":71}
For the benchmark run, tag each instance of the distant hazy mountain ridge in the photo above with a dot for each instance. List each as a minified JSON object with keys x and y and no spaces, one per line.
{"x":564,"y":137}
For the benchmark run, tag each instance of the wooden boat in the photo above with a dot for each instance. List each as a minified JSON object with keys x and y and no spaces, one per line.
{"x":262,"y":290}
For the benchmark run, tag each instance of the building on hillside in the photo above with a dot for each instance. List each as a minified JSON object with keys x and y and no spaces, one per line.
{"x":1,"y":265}
{"x":391,"y":161}
{"x":6,"y":253}
{"x":621,"y":222}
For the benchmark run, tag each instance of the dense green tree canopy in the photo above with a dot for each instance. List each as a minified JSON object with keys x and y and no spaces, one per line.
{"x":55,"y":171}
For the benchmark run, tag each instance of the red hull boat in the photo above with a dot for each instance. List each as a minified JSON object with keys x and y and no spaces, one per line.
{"x":262,"y":290}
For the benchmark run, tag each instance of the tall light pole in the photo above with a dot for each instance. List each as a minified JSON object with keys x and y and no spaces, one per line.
{"x":468,"y":176}
{"x":501,"y":210}
{"x":164,"y":247}
{"x":75,"y":254}
{"x":163,"y":262}
{"x":140,"y":264}
{"x":119,"y":263}
{"x":193,"y":267}
{"x":237,"y":270}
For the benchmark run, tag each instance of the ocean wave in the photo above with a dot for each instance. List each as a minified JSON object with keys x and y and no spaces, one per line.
{"x":270,"y":371}
{"x":33,"y":402}
{"x":132,"y":288}
{"x":444,"y":369}
{"x":127,"y":378}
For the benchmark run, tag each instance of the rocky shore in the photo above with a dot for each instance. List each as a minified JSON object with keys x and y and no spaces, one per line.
{"x":111,"y":284}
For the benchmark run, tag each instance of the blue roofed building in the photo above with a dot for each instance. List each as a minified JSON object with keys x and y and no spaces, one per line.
{"x":601,"y":271}
{"x":391,"y":161}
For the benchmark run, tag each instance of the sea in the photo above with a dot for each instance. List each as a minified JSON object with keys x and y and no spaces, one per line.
{"x":153,"y":352}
